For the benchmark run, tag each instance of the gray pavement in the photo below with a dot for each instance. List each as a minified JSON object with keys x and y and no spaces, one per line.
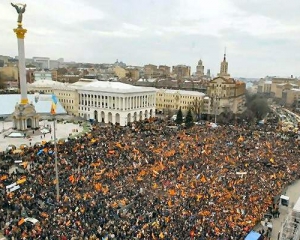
{"x":62,"y":131}
{"x":294,"y":193}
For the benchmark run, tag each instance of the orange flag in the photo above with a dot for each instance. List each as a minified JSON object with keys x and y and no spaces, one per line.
{"x":72,"y":179}
{"x":203,"y":179}
{"x":98,"y":186}
{"x":172,"y":192}
{"x":22,"y":220}
{"x":21,"y":180}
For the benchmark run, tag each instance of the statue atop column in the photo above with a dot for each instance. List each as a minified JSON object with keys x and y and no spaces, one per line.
{"x":20,"y":10}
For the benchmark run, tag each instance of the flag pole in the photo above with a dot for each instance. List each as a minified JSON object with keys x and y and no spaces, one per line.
{"x":55,"y":155}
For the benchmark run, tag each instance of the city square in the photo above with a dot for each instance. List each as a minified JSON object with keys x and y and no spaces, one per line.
{"x":159,"y":146}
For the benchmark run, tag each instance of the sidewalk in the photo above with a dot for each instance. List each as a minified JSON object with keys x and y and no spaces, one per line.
{"x":294,"y":194}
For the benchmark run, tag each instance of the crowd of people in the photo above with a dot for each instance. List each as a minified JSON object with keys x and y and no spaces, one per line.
{"x":150,"y":181}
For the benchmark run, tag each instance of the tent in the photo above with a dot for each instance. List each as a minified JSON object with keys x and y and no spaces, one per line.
{"x":253,"y":236}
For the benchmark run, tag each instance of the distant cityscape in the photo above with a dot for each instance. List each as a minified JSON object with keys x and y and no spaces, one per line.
{"x":173,"y":83}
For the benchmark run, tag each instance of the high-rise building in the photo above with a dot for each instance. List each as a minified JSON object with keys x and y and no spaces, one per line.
{"x":150,"y":70}
{"x":44,"y":62}
{"x":164,"y":70}
{"x":181,"y":71}
{"x":208,"y":73}
{"x":200,"y":69}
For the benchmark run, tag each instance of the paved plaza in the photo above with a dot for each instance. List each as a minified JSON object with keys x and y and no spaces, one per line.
{"x":63,"y":130}
{"x":294,"y":193}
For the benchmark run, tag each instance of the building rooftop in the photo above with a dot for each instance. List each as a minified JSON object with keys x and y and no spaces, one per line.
{"x":115,"y":87}
{"x":282,"y":84}
{"x":182,"y":92}
{"x":42,"y":105}
{"x":46,"y":83}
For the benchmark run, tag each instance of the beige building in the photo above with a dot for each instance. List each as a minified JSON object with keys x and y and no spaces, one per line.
{"x":164,"y":70}
{"x":227,"y":95}
{"x":181,"y":71}
{"x":150,"y":71}
{"x":45,"y":86}
{"x":282,"y":87}
{"x":200,"y":69}
{"x":68,"y":97}
{"x":133,"y":73}
{"x":66,"y":93}
{"x":120,"y":72}
{"x":54,"y":75}
{"x":280,"y":80}
{"x":291,"y":96}
{"x":264,"y":86}
{"x":167,"y":99}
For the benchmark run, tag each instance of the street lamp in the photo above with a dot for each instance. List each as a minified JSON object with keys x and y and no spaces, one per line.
{"x":216,"y":105}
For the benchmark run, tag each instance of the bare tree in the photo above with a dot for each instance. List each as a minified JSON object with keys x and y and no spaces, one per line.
{"x":197,"y":107}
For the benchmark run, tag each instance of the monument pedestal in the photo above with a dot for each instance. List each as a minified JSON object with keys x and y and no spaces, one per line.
{"x":25,"y":117}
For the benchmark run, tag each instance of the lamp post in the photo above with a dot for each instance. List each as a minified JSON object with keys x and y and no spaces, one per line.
{"x":216,"y":105}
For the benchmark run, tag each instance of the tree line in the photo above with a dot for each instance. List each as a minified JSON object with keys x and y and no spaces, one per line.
{"x":256,"y":109}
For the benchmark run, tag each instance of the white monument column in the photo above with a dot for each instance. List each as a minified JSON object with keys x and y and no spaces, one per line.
{"x":20,"y":32}
{"x":25,"y":114}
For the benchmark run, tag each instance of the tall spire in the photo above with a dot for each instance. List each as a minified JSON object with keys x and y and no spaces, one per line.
{"x":224,"y":67}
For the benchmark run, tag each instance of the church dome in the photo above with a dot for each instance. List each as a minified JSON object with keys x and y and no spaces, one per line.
{"x":200,"y":62}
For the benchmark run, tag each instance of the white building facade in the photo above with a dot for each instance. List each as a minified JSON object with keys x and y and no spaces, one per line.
{"x":115,"y":102}
{"x":42,"y":75}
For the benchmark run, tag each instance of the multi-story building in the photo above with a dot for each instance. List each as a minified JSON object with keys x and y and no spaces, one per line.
{"x":54,"y":75}
{"x":280,"y":80}
{"x":120,"y":72}
{"x":115,"y":102}
{"x":68,"y":78}
{"x":165,"y":70}
{"x":282,"y":87}
{"x":68,"y":95}
{"x":181,"y":71}
{"x":291,"y":96}
{"x":200,"y":69}
{"x":103,"y":101}
{"x":45,"y":86}
{"x":133,"y":73}
{"x":42,"y":75}
{"x":227,"y":94}
{"x":43,"y":62}
{"x":172,"y":100}
{"x":150,"y":71}
{"x":264,"y":86}
{"x":5,"y":59}
{"x":54,"y":64}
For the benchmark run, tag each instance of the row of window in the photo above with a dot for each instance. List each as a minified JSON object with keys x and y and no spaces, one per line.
{"x":64,"y":94}
{"x":67,"y":101}
{"x":82,"y":96}
{"x":174,"y":96}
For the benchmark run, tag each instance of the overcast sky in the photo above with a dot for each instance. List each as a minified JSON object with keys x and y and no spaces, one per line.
{"x":262,"y":37}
